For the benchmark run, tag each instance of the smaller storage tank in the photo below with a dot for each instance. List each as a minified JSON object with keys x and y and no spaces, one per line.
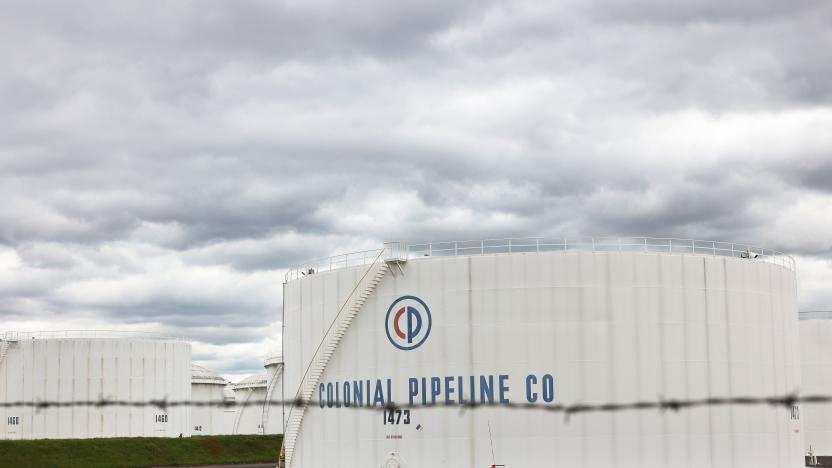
{"x":247,"y":393}
{"x":83,"y":366}
{"x":273,"y":411}
{"x":816,"y":373}
{"x":229,"y":413}
{"x":209,"y":387}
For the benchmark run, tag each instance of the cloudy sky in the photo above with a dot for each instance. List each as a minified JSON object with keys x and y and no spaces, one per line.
{"x":162,"y":163}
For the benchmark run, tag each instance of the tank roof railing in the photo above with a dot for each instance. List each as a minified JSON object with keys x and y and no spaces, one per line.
{"x":88,"y":334}
{"x":335,"y":262}
{"x":403,"y":250}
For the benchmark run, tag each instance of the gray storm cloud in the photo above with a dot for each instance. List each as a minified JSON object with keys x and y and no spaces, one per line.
{"x":161,"y":165}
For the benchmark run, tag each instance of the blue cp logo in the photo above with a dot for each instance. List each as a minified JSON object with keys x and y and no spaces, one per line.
{"x":408,"y":322}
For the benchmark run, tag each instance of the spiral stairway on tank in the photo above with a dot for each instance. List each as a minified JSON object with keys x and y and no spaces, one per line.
{"x":326,"y":349}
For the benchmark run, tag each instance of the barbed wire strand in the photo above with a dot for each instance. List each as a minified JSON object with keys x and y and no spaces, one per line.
{"x":661,"y":404}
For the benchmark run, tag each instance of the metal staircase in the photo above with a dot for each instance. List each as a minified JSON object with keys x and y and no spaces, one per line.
{"x":4,"y":348}
{"x":6,"y":341}
{"x":326,"y":349}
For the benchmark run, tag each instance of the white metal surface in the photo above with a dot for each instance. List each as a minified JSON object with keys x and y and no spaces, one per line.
{"x":208,"y":386}
{"x":609,"y":326}
{"x":273,"y":416}
{"x":249,"y":417}
{"x":816,"y":376}
{"x":88,"y":369}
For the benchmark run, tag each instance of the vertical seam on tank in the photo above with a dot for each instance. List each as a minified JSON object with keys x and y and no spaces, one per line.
{"x":795,"y":317}
{"x":581,"y":351}
{"x":708,"y":383}
{"x":773,"y":361}
{"x":728,"y":315}
{"x":683,"y":293}
{"x":283,"y":353}
{"x":662,"y":321}
{"x":88,"y":382}
{"x":638,"y":366}
{"x":299,"y":346}
{"x":786,"y":339}
{"x":471,"y":423}
{"x":72,"y":391}
{"x":610,"y":344}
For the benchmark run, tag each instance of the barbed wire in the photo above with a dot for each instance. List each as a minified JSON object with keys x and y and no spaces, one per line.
{"x":661,"y":404}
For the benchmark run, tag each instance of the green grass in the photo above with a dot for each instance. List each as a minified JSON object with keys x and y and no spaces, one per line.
{"x":140,"y":452}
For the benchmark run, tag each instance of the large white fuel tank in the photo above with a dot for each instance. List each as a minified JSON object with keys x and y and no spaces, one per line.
{"x":545,"y":327}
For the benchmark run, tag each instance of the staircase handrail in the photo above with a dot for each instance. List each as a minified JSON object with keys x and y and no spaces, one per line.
{"x":240,"y":408}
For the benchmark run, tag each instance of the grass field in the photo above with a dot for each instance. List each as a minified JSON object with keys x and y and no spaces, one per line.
{"x":139,"y":452}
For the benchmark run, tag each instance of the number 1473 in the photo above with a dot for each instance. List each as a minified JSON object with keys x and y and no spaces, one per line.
{"x":397,"y":416}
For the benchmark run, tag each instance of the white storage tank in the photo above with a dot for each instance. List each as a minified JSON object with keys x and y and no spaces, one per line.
{"x":816,"y":374}
{"x":249,"y":394}
{"x":209,"y":387}
{"x":229,"y":414}
{"x":71,"y":367}
{"x":273,"y":414}
{"x":541,"y":322}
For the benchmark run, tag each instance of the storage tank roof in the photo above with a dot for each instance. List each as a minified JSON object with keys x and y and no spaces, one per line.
{"x":202,"y":375}
{"x":273,"y":360}
{"x":252,"y":381}
{"x":88,"y":335}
